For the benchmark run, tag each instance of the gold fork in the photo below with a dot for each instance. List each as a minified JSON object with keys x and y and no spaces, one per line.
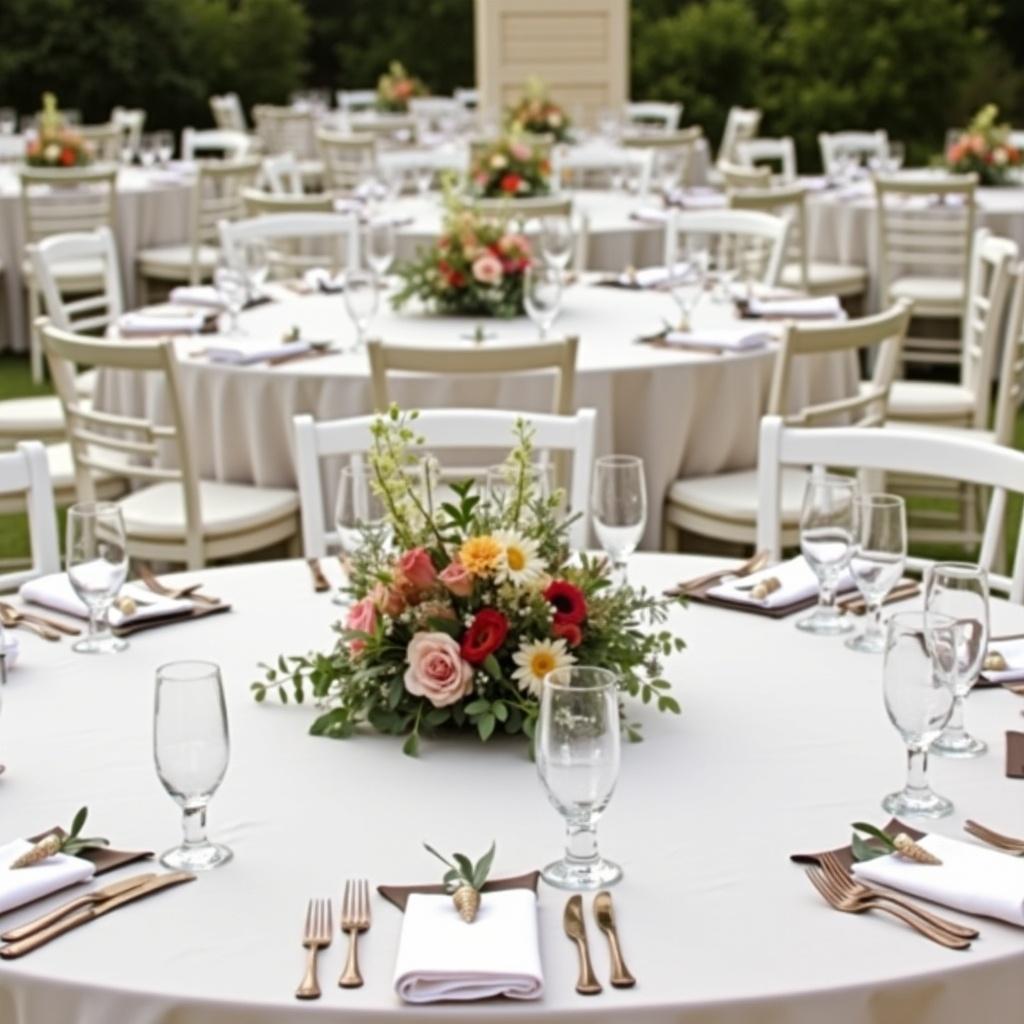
{"x":13,"y":619}
{"x":1005,"y":843}
{"x":152,"y":582}
{"x":753,"y":564}
{"x":317,"y":936}
{"x":355,"y":918}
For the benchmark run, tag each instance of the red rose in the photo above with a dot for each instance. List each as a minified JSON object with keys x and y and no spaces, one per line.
{"x":569,"y":632}
{"x":67,"y":157}
{"x":570,"y":604}
{"x":510,"y":183}
{"x":486,"y":633}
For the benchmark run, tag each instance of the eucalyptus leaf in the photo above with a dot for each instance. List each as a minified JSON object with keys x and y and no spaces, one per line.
{"x":78,"y":822}
{"x":483,"y":867}
{"x":863,"y":850}
{"x":465,"y":865}
{"x":877,"y":833}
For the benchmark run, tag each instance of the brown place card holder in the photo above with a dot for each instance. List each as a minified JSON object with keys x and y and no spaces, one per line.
{"x":1014,"y":755}
{"x":103,"y":857}
{"x":195,"y":612}
{"x":399,"y":894}
{"x":845,"y":853}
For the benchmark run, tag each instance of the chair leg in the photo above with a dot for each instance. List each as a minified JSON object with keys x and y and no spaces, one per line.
{"x":669,"y":536}
{"x":35,"y":343}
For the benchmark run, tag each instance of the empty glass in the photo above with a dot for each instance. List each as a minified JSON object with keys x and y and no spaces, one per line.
{"x":233,"y":289}
{"x":556,"y":242}
{"x":897,"y":155}
{"x":361,"y":298}
{"x":577,"y":750}
{"x":8,"y":120}
{"x":163,"y":142}
{"x":256,"y":264}
{"x":191,"y":749}
{"x":619,"y":507}
{"x":500,"y":483}
{"x":380,"y":246}
{"x":359,"y":514}
{"x":688,"y":288}
{"x":919,"y":701}
{"x":97,"y":562}
{"x":542,"y":295}
{"x":878,"y":560}
{"x":960,"y":590}
{"x":826,"y":541}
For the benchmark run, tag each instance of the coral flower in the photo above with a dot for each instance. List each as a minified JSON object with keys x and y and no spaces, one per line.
{"x":481,"y":555}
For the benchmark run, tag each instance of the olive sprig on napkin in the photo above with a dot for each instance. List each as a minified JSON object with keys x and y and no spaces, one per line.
{"x":71,"y":843}
{"x":900,"y":844}
{"x":464,"y":880}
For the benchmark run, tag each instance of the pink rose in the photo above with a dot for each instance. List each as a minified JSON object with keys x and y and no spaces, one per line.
{"x":520,"y":150}
{"x":436,"y":669}
{"x":416,"y":568}
{"x":362,"y":616}
{"x":457,"y":578}
{"x":388,"y":599}
{"x":487,"y":269}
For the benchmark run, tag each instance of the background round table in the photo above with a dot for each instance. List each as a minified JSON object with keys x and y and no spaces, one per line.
{"x":782,"y":742}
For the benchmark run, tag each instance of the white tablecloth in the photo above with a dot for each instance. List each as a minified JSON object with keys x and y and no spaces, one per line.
{"x":783,"y":741}
{"x":686,"y":413}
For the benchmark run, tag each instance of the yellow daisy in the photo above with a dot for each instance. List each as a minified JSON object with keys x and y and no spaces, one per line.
{"x":536,"y":660}
{"x":520,"y":563}
{"x":481,"y":555}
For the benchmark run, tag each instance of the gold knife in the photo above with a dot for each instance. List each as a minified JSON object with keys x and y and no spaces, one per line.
{"x":90,"y":913}
{"x":587,"y":983}
{"x":605,"y":914}
{"x":96,"y":896}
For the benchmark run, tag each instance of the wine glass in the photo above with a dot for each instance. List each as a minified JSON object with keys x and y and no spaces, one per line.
{"x":233,"y":290}
{"x":380,"y":246}
{"x":826,"y":541}
{"x":500,"y":483}
{"x":361,"y":298}
{"x":688,"y":287}
{"x":191,"y":749}
{"x":148,"y":150}
{"x":97,"y":561}
{"x":919,"y":701}
{"x":542,"y":296}
{"x":619,"y":507}
{"x":163,"y":143}
{"x":669,"y":171}
{"x":424,"y":174}
{"x":878,"y":560}
{"x":577,"y":750}
{"x":897,"y":155}
{"x":256,"y":261}
{"x":960,"y":590}
{"x":359,"y":515}
{"x":556,"y":242}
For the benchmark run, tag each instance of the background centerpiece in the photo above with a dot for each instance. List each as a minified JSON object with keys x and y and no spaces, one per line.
{"x":984,"y":148}
{"x":56,"y":145}
{"x":396,"y":87}
{"x":511,"y":168}
{"x":537,"y":114}
{"x":462,"y":610}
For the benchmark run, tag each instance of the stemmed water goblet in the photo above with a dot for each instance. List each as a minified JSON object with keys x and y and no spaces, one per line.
{"x":688,"y":287}
{"x":361,"y":299}
{"x":577,"y":750}
{"x":619,"y":507}
{"x":233,"y":289}
{"x":960,"y":590}
{"x":380,"y":246}
{"x":256,"y":266}
{"x":556,"y":242}
{"x":542,"y":295}
{"x":163,"y":144}
{"x":97,"y":563}
{"x":191,"y":750}
{"x":359,"y":515}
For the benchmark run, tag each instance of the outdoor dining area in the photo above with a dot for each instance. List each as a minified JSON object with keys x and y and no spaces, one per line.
{"x":420,"y":468}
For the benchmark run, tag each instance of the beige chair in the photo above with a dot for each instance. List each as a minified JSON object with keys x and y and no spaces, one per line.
{"x":653,"y":115}
{"x":130,"y":122}
{"x":56,"y":202}
{"x":295,"y":241}
{"x":678,"y":146}
{"x":741,"y":176}
{"x":259,"y":202}
{"x":348,"y":159}
{"x":811,"y":276}
{"x":285,"y":130}
{"x":25,"y":486}
{"x":760,"y":151}
{"x":228,"y":112}
{"x":104,"y":139}
{"x":282,"y":174}
{"x":216,"y":196}
{"x":741,"y":125}
{"x":724,"y":506}
{"x":216,"y":143}
{"x":174,"y":516}
{"x":869,"y":148}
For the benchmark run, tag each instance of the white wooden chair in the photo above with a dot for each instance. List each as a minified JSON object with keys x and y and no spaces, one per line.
{"x":258,"y":202}
{"x":724,"y":506}
{"x":25,"y":483}
{"x":864,"y":147}
{"x":442,"y":430}
{"x":903,"y":450}
{"x":348,"y":159}
{"x":679,"y":146}
{"x":741,"y":124}
{"x":130,"y":122}
{"x":741,"y":176}
{"x":104,"y":139}
{"x":749,"y":239}
{"x":781,"y":151}
{"x":352,"y":100}
{"x":579,"y":168}
{"x":175,"y":516}
{"x":432,"y":114}
{"x":648,"y":114}
{"x":228,"y":112}
{"x":286,"y":130}
{"x":217,"y":142}
{"x":282,"y":174}
{"x":287,"y":235}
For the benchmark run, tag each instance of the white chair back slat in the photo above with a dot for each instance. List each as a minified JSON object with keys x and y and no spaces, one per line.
{"x":348,"y":159}
{"x":226,"y":142}
{"x":741,"y":125}
{"x":282,"y":174}
{"x":339,"y":232}
{"x":781,"y":151}
{"x":25,"y":473}
{"x":228,"y":112}
{"x":70,"y":200}
{"x":861,"y":146}
{"x":286,"y":130}
{"x":652,"y":114}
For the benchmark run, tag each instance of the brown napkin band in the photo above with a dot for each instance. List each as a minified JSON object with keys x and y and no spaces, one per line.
{"x":103,"y":857}
{"x":1014,"y":755}
{"x":399,"y":894}
{"x":197,"y":611}
{"x":845,"y":853}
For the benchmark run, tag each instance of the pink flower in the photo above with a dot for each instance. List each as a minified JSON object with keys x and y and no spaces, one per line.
{"x":416,"y":568}
{"x":520,"y":150}
{"x":362,"y":616}
{"x":436,"y":669}
{"x":457,"y":578}
{"x":388,"y":600}
{"x":487,"y":269}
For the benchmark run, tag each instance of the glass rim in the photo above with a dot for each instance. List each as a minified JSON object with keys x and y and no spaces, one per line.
{"x":93,"y":508}
{"x":817,"y":479}
{"x":963,"y":570}
{"x":920,"y":617}
{"x":611,"y":679}
{"x":620,"y":461}
{"x":165,"y":672}
{"x":880,"y":500}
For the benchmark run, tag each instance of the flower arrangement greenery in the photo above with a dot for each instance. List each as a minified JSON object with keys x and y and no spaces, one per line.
{"x":56,"y":145}
{"x":983,"y":148}
{"x":475,"y":267}
{"x":537,"y":114}
{"x":396,"y":87}
{"x":511,"y":168}
{"x":462,"y":610}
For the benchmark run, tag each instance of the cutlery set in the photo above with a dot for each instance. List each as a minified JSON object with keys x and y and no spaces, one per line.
{"x":575,"y":927}
{"x":321,"y":583}
{"x":355,"y":918}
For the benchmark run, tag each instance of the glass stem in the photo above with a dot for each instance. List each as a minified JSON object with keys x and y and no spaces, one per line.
{"x":955,"y":725}
{"x":580,"y":842}
{"x":827,"y":598}
{"x":917,"y":770}
{"x":874,"y":628}
{"x":94,"y":621}
{"x":193,"y":825}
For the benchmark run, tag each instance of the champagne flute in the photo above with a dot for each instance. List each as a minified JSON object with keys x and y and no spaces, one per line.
{"x":97,"y":562}
{"x":826,"y":541}
{"x":233,"y":289}
{"x":619,"y":507}
{"x":359,"y":515}
{"x":361,"y":298}
{"x":960,"y":590}
{"x":380,"y":246}
{"x":578,"y":749}
{"x":556,"y":242}
{"x":878,"y":560}
{"x":919,"y":701}
{"x":191,"y":749}
{"x":542,"y":296}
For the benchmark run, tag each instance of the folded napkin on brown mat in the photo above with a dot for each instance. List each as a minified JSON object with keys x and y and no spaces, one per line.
{"x":196,"y":611}
{"x":855,"y":604}
{"x":1012,"y":651}
{"x":1014,"y":755}
{"x":845,"y":853}
{"x":103,"y":857}
{"x":399,"y":894}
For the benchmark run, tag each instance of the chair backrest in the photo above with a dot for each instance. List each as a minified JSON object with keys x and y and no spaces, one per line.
{"x":103,"y":139}
{"x":286,"y":235}
{"x":741,"y":176}
{"x":1010,"y":393}
{"x":748,"y":240}
{"x":740,"y":124}
{"x":441,"y":430}
{"x":258,"y":202}
{"x":523,"y":210}
{"x":861,"y":146}
{"x":91,"y":313}
{"x":788,"y":202}
{"x":782,"y":151}
{"x":348,"y":159}
{"x":904,"y":450}
{"x":67,"y":200}
{"x":285,"y":130}
{"x":660,"y":115}
{"x":356,"y":99}
{"x":226,"y":142}
{"x":559,"y":356}
{"x":25,"y":472}
{"x":135,"y":447}
{"x":282,"y":174}
{"x":578,"y":168}
{"x":678,"y":147}
{"x":228,"y":112}
{"x":130,"y":122}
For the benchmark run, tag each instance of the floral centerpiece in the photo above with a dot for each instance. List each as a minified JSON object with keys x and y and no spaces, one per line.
{"x":511,"y":168}
{"x":396,"y":87}
{"x":537,"y":114}
{"x":461,"y":611}
{"x":475,"y":267}
{"x":56,"y":145}
{"x":984,"y":149}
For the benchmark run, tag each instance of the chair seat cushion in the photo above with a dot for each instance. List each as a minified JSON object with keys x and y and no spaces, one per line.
{"x":733,"y":496}
{"x":928,"y":400}
{"x":831,"y":278}
{"x":158,"y":512}
{"x":930,"y":294}
{"x":85,"y":273}
{"x":38,"y":417}
{"x":175,"y":261}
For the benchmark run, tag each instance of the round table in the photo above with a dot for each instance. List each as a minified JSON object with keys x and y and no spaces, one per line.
{"x":782,"y":742}
{"x":685,"y":413}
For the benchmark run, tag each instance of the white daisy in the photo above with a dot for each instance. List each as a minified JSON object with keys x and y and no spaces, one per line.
{"x":536,"y":660}
{"x":520,"y":563}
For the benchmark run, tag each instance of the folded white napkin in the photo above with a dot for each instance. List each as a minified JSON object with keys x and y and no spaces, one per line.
{"x":821,"y":307}
{"x":720,"y":339}
{"x":56,"y":592}
{"x":442,"y":957}
{"x":320,"y":277}
{"x":655,"y":277}
{"x":197,"y":295}
{"x":970,"y":878}
{"x":32,"y":883}
{"x":141,"y":324}
{"x":243,"y":354}
{"x":797,"y":580}
{"x":650,"y":215}
{"x":1013,"y":654}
